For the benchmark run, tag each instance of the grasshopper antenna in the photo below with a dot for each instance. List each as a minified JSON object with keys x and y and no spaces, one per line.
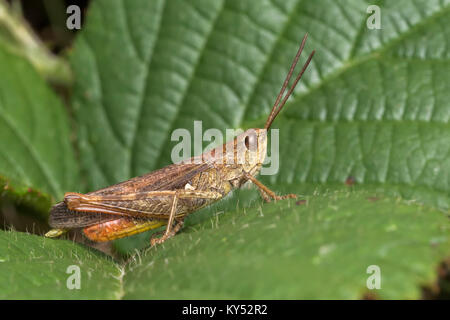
{"x":275,"y":109}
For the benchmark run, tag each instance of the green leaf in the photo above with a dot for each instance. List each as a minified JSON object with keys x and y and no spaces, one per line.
{"x":36,"y":156}
{"x":33,"y":267}
{"x":320,"y":249}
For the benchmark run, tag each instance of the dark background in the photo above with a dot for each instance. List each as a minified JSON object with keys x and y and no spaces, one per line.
{"x":48,"y":20}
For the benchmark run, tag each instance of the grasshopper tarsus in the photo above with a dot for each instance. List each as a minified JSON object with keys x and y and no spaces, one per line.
{"x":167,"y":195}
{"x":53,"y":233}
{"x":276,"y":198}
{"x":167,"y":234}
{"x":282,"y":197}
{"x":266,"y":193}
{"x":286,"y":196}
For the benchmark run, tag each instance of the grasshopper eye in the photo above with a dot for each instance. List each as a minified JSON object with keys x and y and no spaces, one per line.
{"x":251,"y":142}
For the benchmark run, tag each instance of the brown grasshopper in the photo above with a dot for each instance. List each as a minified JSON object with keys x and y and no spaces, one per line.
{"x":166,"y":196}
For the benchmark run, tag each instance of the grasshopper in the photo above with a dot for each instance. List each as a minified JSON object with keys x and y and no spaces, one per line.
{"x":166,"y":196}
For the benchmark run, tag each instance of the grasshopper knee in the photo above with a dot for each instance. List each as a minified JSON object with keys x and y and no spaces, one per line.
{"x":72,"y":200}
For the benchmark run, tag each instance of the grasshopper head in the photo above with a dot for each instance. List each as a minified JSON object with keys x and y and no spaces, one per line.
{"x":247,"y":151}
{"x":251,"y":147}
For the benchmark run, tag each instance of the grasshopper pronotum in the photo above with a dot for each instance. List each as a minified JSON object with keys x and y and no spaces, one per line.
{"x":166,"y":196}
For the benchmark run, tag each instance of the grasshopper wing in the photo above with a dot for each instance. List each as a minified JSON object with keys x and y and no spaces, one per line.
{"x":169,"y":178}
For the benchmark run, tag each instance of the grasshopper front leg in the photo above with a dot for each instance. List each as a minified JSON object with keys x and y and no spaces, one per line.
{"x":266,"y":193}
